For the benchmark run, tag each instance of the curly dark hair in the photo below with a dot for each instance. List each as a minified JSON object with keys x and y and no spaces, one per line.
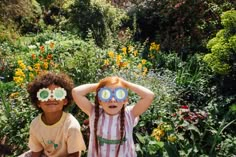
{"x":47,"y":78}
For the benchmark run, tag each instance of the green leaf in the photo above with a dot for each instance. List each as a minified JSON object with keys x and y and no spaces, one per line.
{"x":194,"y":128}
{"x":233,"y":108}
{"x":140,"y":138}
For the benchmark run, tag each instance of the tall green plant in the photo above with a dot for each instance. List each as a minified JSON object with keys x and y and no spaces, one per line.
{"x":99,"y":17}
{"x":223,"y":50}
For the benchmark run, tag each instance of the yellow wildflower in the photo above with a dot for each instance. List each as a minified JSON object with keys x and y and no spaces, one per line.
{"x":45,"y":65}
{"x":158,"y":132}
{"x":19,"y":62}
{"x":30,"y":68}
{"x":111,"y":54}
{"x":158,"y":138}
{"x":145,"y":71}
{"x":18,"y":80}
{"x":130,"y":48}
{"x":151,"y":56}
{"x":31,"y":75}
{"x":22,"y":66}
{"x":135,"y":53}
{"x":118,"y":63}
{"x":19,"y":73}
{"x":140,"y":66}
{"x":154,"y":46}
{"x":172,"y":138}
{"x":144,"y":61}
{"x":118,"y":58}
{"x":124,"y":50}
{"x":13,"y":95}
{"x":106,"y":62}
{"x":36,"y":66}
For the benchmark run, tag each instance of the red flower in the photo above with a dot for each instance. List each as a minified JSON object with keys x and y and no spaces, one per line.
{"x":184,"y":107}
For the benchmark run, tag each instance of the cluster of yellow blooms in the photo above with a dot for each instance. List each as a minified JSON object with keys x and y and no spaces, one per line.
{"x":154,"y":48}
{"x":127,"y":58}
{"x":39,"y":62}
{"x":159,"y":133}
{"x":19,"y":72}
{"x":23,"y":73}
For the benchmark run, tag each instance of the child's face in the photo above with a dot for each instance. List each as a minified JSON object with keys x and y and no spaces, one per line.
{"x":113,"y":106}
{"x":52,"y":105}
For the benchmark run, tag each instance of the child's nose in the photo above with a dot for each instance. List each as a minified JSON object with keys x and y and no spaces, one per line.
{"x":113,"y":99}
{"x":51,"y":98}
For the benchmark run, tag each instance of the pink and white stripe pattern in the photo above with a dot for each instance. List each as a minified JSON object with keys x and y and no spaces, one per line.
{"x":109,"y":129}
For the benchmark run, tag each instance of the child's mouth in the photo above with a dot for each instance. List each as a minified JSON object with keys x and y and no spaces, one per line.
{"x":52,"y":103}
{"x":112,"y":106}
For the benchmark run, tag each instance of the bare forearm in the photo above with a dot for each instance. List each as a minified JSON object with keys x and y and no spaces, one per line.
{"x":36,"y":154}
{"x":79,"y":95}
{"x":76,"y":154}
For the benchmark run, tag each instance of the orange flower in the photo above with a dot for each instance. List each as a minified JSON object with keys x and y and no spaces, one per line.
{"x":52,"y":44}
{"x":49,"y":57}
{"x":42,"y":49}
{"x":123,"y":64}
{"x":33,"y":56}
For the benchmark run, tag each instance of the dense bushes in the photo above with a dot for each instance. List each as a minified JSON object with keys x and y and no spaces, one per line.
{"x":191,"y":114}
{"x":99,"y":17}
{"x":223,"y":56}
{"x":182,"y":26}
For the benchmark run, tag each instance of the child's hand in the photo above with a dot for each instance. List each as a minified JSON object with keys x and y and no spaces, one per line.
{"x":123,"y":82}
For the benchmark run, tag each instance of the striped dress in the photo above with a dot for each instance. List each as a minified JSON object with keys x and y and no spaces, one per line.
{"x":108,"y":135}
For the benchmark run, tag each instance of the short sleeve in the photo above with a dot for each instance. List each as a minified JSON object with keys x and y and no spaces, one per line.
{"x":130,"y":117}
{"x":75,"y":141}
{"x":33,"y":143}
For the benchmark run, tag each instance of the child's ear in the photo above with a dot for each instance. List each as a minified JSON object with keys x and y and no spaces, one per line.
{"x":65,"y":101}
{"x":38,"y":104}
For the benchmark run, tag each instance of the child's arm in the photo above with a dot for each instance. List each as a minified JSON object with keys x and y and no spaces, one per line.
{"x":76,"y":154}
{"x":79,"y":95}
{"x":36,"y":154}
{"x":146,"y":95}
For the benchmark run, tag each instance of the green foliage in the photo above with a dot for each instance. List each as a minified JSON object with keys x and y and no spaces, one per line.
{"x":15,"y":117}
{"x":84,"y":63}
{"x":222,"y":56}
{"x":99,"y":17}
{"x":178,"y":25}
{"x":45,"y":3}
{"x":187,"y":117}
{"x":24,"y":14}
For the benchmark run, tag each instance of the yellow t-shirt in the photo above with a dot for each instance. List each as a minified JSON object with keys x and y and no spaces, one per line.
{"x":56,"y":140}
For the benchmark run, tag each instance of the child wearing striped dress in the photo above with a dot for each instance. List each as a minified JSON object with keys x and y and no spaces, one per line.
{"x":111,"y":120}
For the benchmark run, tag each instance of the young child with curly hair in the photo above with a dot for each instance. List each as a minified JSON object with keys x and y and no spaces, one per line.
{"x":111,"y":120}
{"x":53,"y":133}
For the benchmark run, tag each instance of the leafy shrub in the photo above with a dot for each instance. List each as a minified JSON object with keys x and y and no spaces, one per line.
{"x":180,"y":26}
{"x":24,"y":14}
{"x":15,"y":116}
{"x":223,"y":52}
{"x":99,"y":17}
